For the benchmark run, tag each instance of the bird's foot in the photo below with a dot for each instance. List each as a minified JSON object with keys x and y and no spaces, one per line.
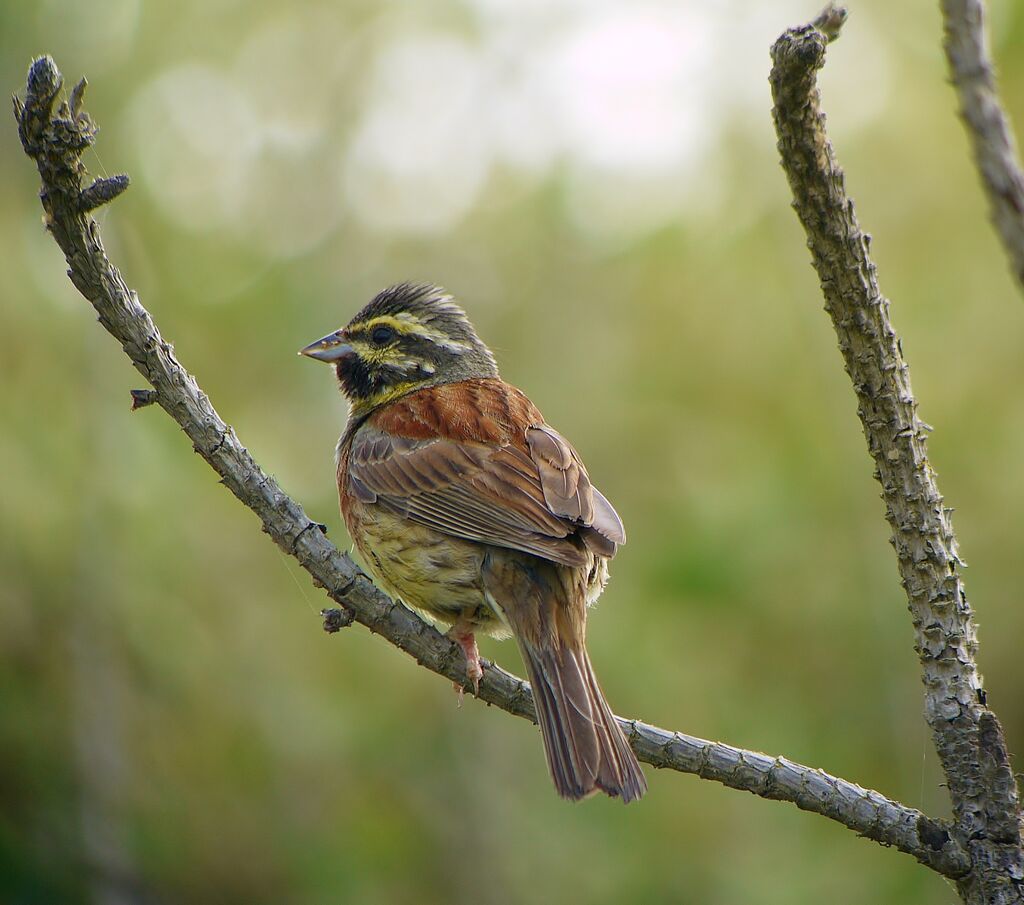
{"x":474,"y":671}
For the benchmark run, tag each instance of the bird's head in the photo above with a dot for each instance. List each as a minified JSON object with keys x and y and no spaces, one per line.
{"x":408,"y":337}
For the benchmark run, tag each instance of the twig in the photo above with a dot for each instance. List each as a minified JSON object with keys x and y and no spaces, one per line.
{"x":967,"y":735}
{"x":56,"y":143}
{"x":995,"y":153}
{"x":142,"y":398}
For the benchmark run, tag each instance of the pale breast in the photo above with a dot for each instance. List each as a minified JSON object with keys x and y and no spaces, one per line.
{"x":425,"y":569}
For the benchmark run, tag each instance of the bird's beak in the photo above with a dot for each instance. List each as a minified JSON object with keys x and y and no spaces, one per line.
{"x":331,"y":348}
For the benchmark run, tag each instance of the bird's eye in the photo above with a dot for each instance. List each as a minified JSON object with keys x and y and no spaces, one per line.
{"x":382,"y":335}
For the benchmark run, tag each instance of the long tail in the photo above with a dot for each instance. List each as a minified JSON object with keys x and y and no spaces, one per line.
{"x":585,"y":747}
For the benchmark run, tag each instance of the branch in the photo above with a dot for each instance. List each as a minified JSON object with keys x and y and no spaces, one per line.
{"x":56,"y":142}
{"x":988,"y":127}
{"x":967,"y":735}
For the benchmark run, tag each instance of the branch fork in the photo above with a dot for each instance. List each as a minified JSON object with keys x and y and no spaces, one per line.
{"x":967,"y":735}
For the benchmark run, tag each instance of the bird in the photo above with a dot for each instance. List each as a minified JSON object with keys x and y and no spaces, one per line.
{"x":466,"y":505}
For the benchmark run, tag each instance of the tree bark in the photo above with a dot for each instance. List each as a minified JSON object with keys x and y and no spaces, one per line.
{"x":966,"y":733}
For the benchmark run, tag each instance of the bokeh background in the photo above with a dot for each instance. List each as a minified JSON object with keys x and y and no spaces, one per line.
{"x":598,"y":183}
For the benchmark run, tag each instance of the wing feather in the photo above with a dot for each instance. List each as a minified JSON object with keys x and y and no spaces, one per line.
{"x":513,"y":482}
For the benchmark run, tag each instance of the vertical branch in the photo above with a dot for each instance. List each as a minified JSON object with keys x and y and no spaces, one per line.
{"x":967,"y":735}
{"x":995,"y":153}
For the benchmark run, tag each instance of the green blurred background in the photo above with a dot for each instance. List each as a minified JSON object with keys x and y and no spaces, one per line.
{"x":598,"y":184}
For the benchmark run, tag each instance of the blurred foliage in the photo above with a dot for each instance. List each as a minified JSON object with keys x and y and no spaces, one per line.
{"x":176,"y":727}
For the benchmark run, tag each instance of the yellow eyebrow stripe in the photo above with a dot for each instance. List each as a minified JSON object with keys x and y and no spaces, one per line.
{"x":407,"y":324}
{"x":386,"y":320}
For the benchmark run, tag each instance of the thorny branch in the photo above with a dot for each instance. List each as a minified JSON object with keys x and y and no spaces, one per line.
{"x":55,"y":140}
{"x":967,"y":735}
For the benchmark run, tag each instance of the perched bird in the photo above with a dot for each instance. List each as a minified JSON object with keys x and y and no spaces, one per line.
{"x":466,"y":505}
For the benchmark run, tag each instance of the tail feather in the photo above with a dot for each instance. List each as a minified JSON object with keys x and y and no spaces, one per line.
{"x":585,"y":747}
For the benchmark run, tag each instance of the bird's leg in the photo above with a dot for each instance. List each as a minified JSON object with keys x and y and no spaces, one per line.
{"x":462,"y":634}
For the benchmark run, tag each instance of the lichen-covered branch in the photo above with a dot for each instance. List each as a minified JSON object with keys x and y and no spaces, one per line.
{"x":55,"y":141}
{"x":967,"y":735}
{"x":988,"y":127}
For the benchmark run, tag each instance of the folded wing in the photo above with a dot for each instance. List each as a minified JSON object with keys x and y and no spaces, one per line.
{"x":488,"y":470}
